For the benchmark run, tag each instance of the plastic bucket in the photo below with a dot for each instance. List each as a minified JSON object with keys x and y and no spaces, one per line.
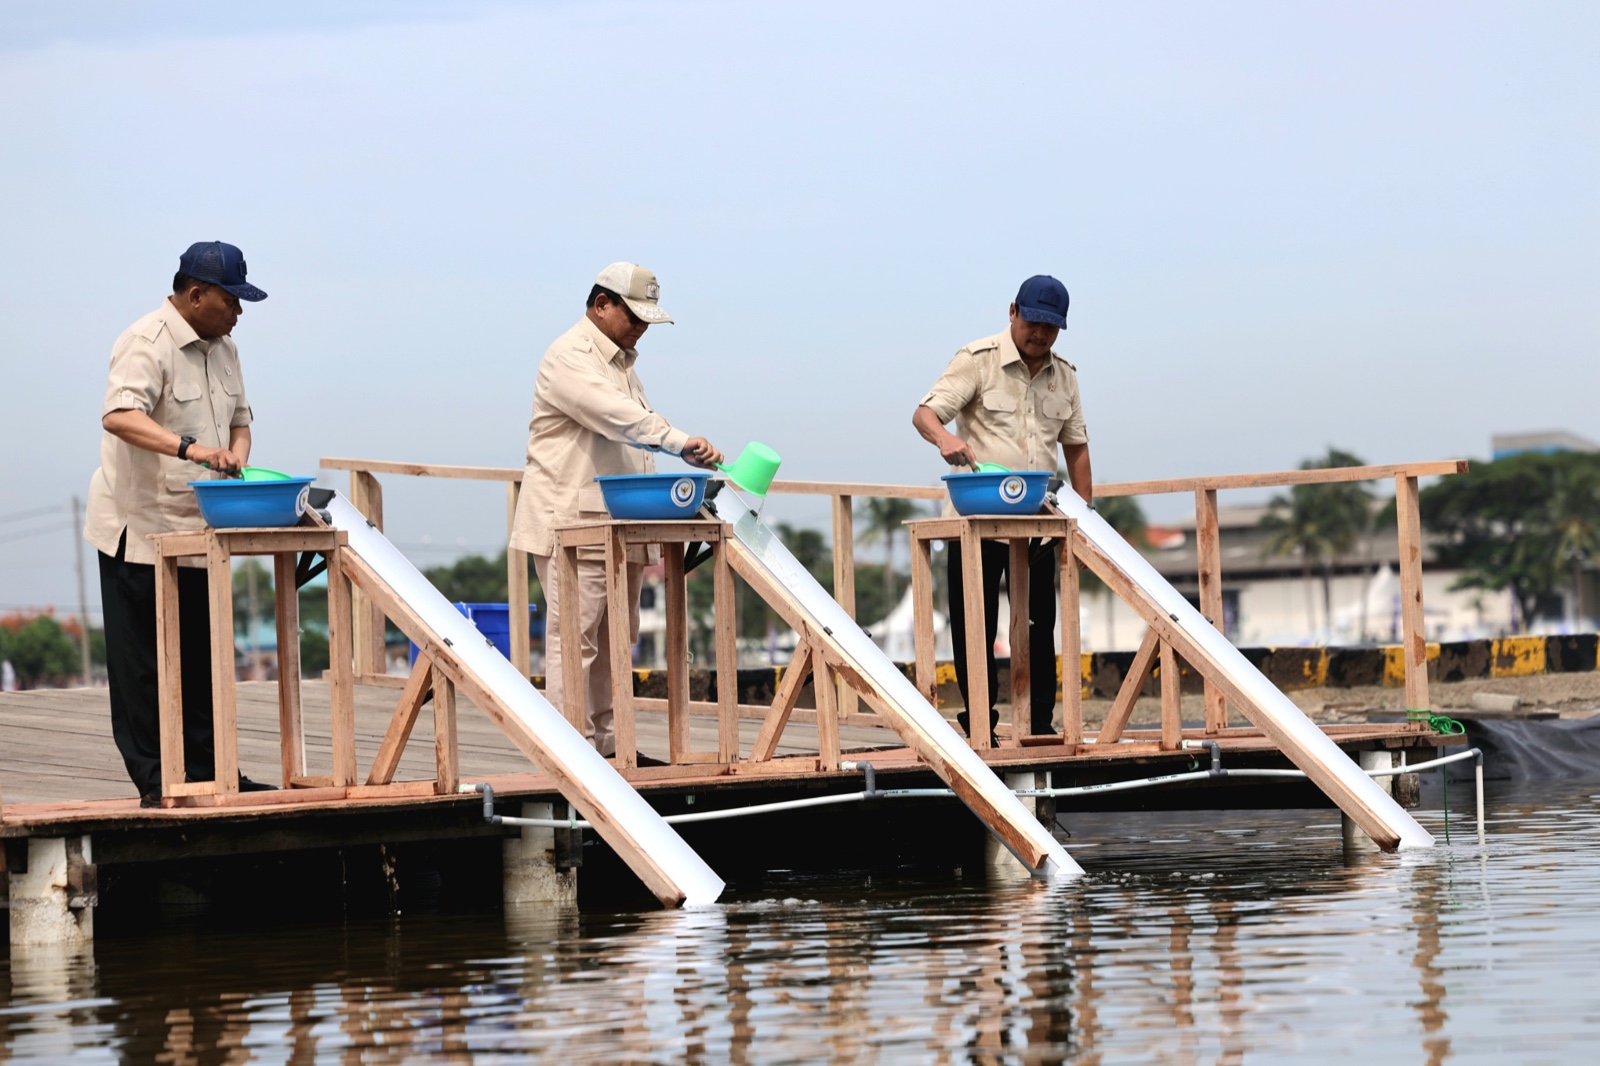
{"x":493,"y":621}
{"x":754,"y":470}
{"x":233,"y":503}
{"x":1018,"y":492}
{"x":654,"y":497}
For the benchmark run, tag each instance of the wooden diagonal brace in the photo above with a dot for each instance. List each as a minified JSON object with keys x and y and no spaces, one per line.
{"x":1132,"y":685}
{"x":412,"y":697}
{"x":794,"y":679}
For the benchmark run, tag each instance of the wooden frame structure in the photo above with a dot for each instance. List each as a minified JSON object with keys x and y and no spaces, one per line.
{"x":1016,"y":532}
{"x":284,"y":546}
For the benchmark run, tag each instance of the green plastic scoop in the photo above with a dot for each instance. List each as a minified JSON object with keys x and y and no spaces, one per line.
{"x":261,"y":473}
{"x":754,"y":470}
{"x":990,"y":468}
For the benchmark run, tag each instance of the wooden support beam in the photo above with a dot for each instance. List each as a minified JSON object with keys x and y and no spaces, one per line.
{"x":224,"y":711}
{"x":516,"y":588}
{"x":1021,"y":650}
{"x":844,"y":578}
{"x":978,"y":694}
{"x":677,"y":654}
{"x":169,"y":648}
{"x":1144,"y":661}
{"x":446,"y":753}
{"x":341,"y":686}
{"x":727,"y":655}
{"x":1071,"y":649}
{"x":291,"y":724}
{"x":794,"y":679}
{"x":574,"y":693}
{"x":1171,"y":700}
{"x":922,"y":618}
{"x":1208,"y":553}
{"x":825,"y":686}
{"x":1315,"y":476}
{"x":619,"y":609}
{"x":406,"y":712}
{"x":1413,"y":632}
{"x":366,"y":494}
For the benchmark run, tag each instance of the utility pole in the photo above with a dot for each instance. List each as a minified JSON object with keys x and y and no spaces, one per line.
{"x":83,"y":597}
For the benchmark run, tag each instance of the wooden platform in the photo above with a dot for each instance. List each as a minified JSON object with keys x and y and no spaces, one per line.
{"x":60,"y":771}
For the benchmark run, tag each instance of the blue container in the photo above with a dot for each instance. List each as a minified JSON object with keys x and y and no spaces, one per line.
{"x":654,"y":497}
{"x":494,"y":622}
{"x":233,"y":503}
{"x":1015,"y":492}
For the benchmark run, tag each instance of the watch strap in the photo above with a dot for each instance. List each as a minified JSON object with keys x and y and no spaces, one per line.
{"x":183,"y":446}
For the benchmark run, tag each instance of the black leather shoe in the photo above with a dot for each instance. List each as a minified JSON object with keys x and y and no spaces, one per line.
{"x":150,"y":799}
{"x":965,"y":721}
{"x":247,"y":785}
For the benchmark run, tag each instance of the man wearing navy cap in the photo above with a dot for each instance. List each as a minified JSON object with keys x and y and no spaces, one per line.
{"x":1013,"y":400}
{"x":174,"y":406}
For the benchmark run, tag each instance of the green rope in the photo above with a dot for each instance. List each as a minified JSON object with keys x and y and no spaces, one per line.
{"x":1444,"y":726}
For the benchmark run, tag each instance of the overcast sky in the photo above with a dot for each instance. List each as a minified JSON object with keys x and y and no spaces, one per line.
{"x":1283,"y":226}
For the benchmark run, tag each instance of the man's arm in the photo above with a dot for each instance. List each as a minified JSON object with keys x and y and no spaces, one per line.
{"x":142,"y":431}
{"x":955,"y":451}
{"x":1078,"y":471}
{"x":238,"y":443}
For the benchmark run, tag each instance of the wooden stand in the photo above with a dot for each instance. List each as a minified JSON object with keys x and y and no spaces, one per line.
{"x":970,"y":534}
{"x":616,"y":537}
{"x":218,"y":547}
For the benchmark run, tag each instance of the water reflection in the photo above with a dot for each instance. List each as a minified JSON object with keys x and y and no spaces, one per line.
{"x":1197,"y":939}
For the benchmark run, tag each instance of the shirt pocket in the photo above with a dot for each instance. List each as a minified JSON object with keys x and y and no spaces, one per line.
{"x":186,"y":412}
{"x":591,"y":503}
{"x":1000,"y":403}
{"x":1055,"y":409}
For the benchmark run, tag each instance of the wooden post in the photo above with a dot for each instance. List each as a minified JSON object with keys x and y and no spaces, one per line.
{"x":1171,"y":700}
{"x":170,"y":673}
{"x":402,"y":722}
{"x":445,"y":753}
{"x":516,"y":587}
{"x":224,"y":713}
{"x":367,"y":634}
{"x":1071,"y":645}
{"x":291,"y":725}
{"x":825,"y":684}
{"x":1413,"y":633}
{"x":794,"y":679}
{"x":677,"y":653}
{"x":1021,"y":657}
{"x":922,"y":617}
{"x":1132,"y":685}
{"x":727,"y":655}
{"x":1208,"y":553}
{"x":339,"y":671}
{"x":618,"y":610}
{"x":975,"y":636}
{"x":574,"y":693}
{"x":844,"y":579}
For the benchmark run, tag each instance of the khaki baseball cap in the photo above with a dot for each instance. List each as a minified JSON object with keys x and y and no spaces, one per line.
{"x":638,"y":288}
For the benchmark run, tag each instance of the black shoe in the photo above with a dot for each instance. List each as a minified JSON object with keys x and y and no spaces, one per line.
{"x":247,"y":785}
{"x":965,"y":721}
{"x":150,"y":799}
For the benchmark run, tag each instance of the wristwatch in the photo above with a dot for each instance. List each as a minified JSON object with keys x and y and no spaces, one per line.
{"x":183,"y":446}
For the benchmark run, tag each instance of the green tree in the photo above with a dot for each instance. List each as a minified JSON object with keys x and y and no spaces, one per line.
{"x":39,"y":649}
{"x":1319,"y":523}
{"x":1525,"y":523}
{"x":478,"y":579}
{"x":885,"y":518}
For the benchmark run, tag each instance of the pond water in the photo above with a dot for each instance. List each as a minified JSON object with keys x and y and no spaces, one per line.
{"x":1234,"y":937}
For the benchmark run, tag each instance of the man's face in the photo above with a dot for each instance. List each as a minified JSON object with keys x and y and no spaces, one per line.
{"x":1033,"y":339}
{"x":618,"y":322}
{"x":211,"y":310}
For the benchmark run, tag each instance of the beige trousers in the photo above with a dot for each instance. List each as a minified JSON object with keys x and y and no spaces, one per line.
{"x":595,"y":628}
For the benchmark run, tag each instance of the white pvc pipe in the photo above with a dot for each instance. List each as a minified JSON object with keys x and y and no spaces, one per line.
{"x":1277,"y":707}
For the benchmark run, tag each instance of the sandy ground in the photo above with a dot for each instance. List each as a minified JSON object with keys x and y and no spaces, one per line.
{"x":1575,"y":695}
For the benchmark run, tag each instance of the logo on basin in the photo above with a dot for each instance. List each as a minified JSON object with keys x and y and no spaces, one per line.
{"x":1012,"y":489}
{"x":683,"y":491}
{"x":302,"y":500}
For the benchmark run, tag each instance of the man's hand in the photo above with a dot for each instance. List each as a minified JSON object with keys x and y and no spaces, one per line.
{"x":699,"y":452}
{"x":955,"y":451}
{"x":219,"y":459}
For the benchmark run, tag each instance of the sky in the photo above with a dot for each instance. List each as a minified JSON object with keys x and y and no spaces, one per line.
{"x":1284,"y":227}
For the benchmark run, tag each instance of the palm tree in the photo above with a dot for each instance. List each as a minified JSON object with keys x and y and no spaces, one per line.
{"x":1319,"y":523}
{"x":884,"y":518}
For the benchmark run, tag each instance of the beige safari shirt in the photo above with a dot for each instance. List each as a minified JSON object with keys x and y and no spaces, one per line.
{"x":1008,"y":417}
{"x":191,"y":386}
{"x":590,"y":418}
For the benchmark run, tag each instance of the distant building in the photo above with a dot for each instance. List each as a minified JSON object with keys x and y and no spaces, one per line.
{"x":1502,"y":445}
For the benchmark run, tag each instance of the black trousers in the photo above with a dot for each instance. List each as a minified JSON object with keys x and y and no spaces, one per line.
{"x":1041,"y":606}
{"x":128,"y":599}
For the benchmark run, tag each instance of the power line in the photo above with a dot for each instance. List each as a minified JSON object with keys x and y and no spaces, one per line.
{"x":35,"y":513}
{"x":55,"y":527}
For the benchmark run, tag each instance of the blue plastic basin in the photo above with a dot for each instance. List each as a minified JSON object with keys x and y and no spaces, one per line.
{"x":654,"y":497}
{"x":233,"y":503}
{"x":1015,"y":492}
{"x":494,"y":622}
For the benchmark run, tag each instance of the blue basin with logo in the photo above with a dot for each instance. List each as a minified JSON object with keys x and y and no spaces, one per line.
{"x":654,"y":497}
{"x":233,"y":504}
{"x":1014,"y":492}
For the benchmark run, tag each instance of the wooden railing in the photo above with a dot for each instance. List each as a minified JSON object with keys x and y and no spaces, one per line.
{"x":367,"y":495}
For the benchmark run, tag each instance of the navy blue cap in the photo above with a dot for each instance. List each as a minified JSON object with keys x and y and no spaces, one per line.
{"x":1043,"y":299}
{"x":221,"y":265}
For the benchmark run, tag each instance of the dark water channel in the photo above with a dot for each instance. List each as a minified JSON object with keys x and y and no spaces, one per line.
{"x":1233,"y":937}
